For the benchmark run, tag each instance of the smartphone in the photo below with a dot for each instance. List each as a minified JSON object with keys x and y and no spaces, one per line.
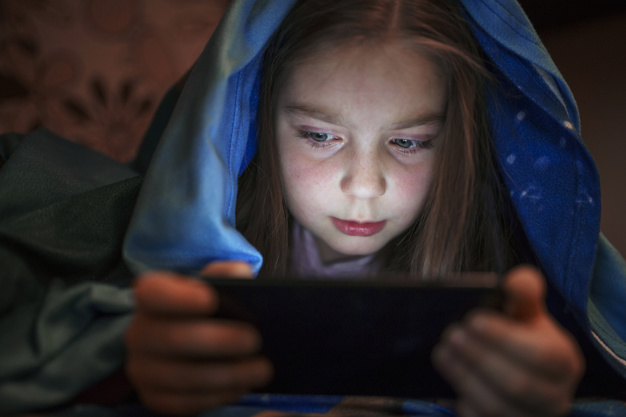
{"x":340,"y":337}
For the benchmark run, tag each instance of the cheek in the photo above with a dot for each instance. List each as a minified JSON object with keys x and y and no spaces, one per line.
{"x":412,"y":185}
{"x":307,"y":184}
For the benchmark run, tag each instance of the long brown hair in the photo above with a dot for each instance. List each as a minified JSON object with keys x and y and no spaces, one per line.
{"x":464,"y":224}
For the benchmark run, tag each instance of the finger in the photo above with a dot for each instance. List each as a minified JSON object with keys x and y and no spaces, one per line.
{"x":491,"y":373}
{"x":480,"y":400}
{"x":234,"y":269}
{"x":467,"y":407}
{"x":191,"y":338}
{"x":187,"y":376}
{"x":544,"y":347}
{"x":524,"y":289}
{"x":167,"y":293}
{"x":187,"y":404}
{"x":448,"y":364}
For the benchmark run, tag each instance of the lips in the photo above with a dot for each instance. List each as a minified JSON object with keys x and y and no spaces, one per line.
{"x":352,"y":228}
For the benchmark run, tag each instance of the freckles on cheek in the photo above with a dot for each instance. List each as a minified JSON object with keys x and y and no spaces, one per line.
{"x":306,"y":178}
{"x":306,"y":171}
{"x":414,"y":183}
{"x":310,"y":190}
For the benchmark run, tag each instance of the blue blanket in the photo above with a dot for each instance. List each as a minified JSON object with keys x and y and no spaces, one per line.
{"x":292,"y":406}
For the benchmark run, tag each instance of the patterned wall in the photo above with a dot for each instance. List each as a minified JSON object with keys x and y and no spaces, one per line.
{"x":94,"y":70}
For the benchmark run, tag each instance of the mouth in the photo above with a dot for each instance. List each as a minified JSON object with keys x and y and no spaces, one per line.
{"x":352,"y":228}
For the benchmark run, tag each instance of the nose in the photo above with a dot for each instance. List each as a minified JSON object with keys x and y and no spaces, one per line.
{"x":363,"y":178}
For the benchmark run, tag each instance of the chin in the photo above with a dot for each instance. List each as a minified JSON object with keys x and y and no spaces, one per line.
{"x":352,"y":249}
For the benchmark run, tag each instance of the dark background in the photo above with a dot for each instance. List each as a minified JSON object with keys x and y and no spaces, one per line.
{"x":549,"y":14}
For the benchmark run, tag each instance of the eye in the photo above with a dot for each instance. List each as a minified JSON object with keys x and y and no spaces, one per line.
{"x":404,"y":143}
{"x":319,"y":139}
{"x":317,"y":136}
{"x":411,"y":145}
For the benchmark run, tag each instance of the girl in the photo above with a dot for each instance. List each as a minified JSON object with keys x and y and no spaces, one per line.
{"x":374,"y":153}
{"x":344,"y":138}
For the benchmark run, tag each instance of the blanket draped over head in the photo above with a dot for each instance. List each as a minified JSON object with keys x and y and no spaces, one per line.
{"x":66,"y":213}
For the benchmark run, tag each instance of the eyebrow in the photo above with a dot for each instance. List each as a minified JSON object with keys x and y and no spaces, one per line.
{"x":427,"y":119}
{"x":300,"y":109}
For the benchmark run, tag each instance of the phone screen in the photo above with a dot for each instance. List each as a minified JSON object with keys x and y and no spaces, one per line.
{"x":354,"y":337}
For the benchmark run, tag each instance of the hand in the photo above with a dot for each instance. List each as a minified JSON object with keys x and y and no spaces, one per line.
{"x":520,"y":363}
{"x":180,"y":360}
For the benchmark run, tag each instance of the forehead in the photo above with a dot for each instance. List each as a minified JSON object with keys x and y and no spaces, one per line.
{"x":386,"y":74}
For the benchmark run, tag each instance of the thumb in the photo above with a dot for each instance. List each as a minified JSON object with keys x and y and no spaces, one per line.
{"x":524,"y":290}
{"x":168,"y":293}
{"x":232,"y":269}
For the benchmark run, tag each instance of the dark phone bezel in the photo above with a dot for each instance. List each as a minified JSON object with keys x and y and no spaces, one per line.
{"x":353,"y":337}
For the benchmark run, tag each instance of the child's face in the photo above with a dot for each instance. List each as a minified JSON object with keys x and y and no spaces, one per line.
{"x":356,"y":132}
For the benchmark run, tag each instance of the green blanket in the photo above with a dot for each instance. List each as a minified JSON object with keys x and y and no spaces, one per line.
{"x":63,"y":212}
